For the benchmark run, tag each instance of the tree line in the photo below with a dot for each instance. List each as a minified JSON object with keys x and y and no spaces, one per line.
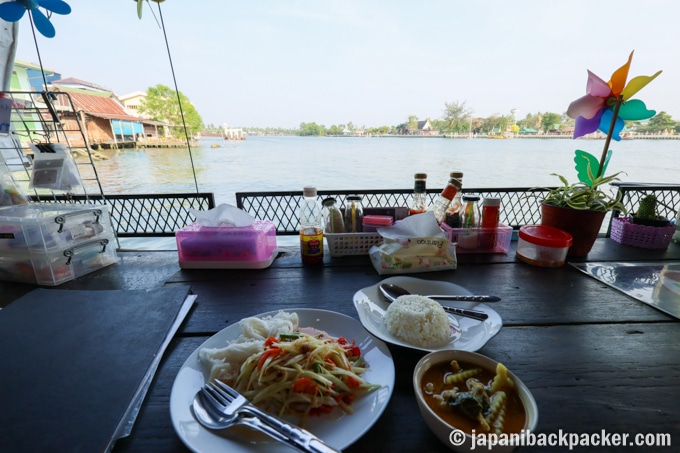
{"x":167,"y":105}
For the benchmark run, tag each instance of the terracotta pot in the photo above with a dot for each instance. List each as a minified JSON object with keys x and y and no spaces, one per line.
{"x":584,"y":226}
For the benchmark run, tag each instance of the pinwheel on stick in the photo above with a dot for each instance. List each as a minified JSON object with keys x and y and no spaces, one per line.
{"x":605,"y":107}
{"x":12,"y":11}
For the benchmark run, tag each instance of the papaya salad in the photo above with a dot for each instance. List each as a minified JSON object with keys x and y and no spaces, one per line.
{"x":287,"y":369}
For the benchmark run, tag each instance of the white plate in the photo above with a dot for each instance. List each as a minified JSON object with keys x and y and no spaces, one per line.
{"x":473,"y":334}
{"x":337,"y":428}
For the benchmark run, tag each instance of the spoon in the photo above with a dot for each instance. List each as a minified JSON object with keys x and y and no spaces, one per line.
{"x":397,"y":291}
{"x":391,"y":292}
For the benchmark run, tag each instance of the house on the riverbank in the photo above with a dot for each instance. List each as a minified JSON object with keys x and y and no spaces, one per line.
{"x":103,"y":117}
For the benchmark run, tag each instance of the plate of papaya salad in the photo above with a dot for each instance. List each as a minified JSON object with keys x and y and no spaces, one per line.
{"x":318,"y":369}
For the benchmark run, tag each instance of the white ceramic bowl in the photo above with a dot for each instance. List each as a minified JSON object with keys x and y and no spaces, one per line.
{"x":441,"y":428}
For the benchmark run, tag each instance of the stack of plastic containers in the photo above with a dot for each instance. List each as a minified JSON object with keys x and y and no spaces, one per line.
{"x":50,"y":244}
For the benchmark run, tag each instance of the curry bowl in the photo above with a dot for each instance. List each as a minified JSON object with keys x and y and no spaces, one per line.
{"x":456,"y":389}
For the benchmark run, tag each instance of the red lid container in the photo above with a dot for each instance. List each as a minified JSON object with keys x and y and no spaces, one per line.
{"x":545,"y":236}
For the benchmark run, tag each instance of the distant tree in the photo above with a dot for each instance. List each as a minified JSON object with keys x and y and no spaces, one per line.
{"x":312,"y":129}
{"x":659,"y":123}
{"x":456,"y":117}
{"x":550,"y":121}
{"x":161,"y":104}
{"x":412,"y":124}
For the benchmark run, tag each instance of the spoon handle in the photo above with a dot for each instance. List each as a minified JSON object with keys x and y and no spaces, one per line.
{"x":466,"y":297}
{"x":474,"y":314}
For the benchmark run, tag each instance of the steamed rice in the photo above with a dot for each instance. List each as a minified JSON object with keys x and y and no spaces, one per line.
{"x":418,"y":320}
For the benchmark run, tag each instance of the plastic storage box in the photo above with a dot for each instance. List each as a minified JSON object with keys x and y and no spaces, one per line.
{"x":43,"y":228}
{"x":49,"y":244}
{"x":58,"y":266}
{"x":480,"y":240}
{"x":202,"y":247}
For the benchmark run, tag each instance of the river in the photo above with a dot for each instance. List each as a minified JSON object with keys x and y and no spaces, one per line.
{"x":263,"y":163}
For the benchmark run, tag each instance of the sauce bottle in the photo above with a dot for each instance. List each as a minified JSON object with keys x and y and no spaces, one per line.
{"x":418,"y":203}
{"x":491,"y":213}
{"x":311,"y":228}
{"x":444,"y":200}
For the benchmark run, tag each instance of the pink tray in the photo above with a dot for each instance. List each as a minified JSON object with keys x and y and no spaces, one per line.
{"x":644,"y":236}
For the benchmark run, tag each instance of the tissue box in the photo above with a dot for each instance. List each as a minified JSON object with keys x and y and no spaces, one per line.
{"x":251,"y":247}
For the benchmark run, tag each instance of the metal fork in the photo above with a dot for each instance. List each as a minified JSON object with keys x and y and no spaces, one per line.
{"x":302,"y":439}
{"x":210,"y":411}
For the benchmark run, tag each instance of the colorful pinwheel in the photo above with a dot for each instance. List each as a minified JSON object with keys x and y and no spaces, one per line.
{"x":605,"y":107}
{"x":12,"y":11}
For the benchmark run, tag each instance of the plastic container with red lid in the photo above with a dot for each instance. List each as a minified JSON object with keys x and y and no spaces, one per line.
{"x":542,"y":245}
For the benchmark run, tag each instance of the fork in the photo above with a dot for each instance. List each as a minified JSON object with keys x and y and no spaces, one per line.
{"x":233,"y":401}
{"x":213,"y":415}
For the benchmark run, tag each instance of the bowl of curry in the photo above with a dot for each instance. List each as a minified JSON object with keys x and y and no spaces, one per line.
{"x":470,"y":401}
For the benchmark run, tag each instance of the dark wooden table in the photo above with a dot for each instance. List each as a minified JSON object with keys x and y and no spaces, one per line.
{"x":594,"y":358}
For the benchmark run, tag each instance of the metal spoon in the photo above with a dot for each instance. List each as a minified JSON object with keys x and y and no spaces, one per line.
{"x":397,"y":291}
{"x":390,"y":292}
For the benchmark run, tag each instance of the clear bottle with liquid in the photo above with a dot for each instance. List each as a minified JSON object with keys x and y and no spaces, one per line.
{"x":311,"y":227}
{"x":676,"y":235}
{"x":418,"y":203}
{"x":444,"y":199}
{"x":354,"y":214}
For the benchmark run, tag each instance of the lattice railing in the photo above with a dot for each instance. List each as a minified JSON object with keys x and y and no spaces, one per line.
{"x":146,"y":214}
{"x":521,"y":206}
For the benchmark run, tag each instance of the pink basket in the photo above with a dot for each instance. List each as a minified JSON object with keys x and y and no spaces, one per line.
{"x":644,"y":236}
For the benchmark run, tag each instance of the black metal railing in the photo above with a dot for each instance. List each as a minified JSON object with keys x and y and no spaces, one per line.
{"x":521,"y":206}
{"x":143,"y":215}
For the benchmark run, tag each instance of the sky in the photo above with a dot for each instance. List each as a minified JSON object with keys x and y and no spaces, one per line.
{"x":279,"y":63}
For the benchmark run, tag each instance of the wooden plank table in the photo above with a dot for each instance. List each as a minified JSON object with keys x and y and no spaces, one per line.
{"x":594,"y":358}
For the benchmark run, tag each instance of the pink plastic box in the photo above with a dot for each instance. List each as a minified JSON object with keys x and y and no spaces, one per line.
{"x":201,"y":247}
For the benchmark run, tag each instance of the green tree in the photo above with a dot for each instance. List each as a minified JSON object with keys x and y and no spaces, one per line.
{"x":659,"y":123}
{"x":550,"y":121}
{"x":307,"y":129}
{"x":456,"y":117}
{"x":161,"y":104}
{"x":412,"y":124}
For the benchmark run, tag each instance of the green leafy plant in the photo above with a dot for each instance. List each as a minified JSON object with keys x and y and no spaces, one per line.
{"x":583,"y":196}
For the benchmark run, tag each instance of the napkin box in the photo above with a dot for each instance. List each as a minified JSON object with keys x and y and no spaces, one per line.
{"x":203,"y":247}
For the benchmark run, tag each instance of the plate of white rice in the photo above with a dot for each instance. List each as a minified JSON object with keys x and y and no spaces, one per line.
{"x":419,"y":322}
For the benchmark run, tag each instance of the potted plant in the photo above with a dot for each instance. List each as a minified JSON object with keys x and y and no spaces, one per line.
{"x":580,"y":208}
{"x":647,"y":213}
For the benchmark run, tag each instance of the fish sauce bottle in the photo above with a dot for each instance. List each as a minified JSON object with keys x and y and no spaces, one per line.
{"x":418,"y":202}
{"x":311,"y":227}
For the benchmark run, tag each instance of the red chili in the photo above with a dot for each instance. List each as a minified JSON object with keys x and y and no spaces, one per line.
{"x":270,"y":341}
{"x":266,"y":354}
